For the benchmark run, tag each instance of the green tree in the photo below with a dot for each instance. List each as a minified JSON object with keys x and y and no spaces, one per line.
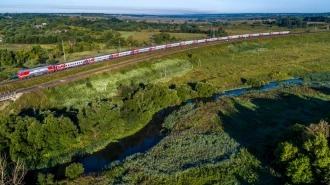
{"x":74,"y":170}
{"x":45,"y":179}
{"x":300,"y":170}
{"x":205,"y":89}
{"x":286,"y":152}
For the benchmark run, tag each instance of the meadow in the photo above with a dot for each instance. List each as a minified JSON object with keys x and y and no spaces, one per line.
{"x":145,"y":35}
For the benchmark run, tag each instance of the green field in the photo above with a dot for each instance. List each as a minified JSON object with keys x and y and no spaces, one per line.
{"x":145,"y":35}
{"x":16,"y":47}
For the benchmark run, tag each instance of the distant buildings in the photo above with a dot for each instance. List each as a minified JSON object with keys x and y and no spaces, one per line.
{"x":41,"y":25}
{"x":60,"y":31}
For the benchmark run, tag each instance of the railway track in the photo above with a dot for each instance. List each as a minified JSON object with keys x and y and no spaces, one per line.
{"x":156,"y":54}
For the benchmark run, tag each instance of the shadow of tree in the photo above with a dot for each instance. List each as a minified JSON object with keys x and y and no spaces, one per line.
{"x":257,"y":126}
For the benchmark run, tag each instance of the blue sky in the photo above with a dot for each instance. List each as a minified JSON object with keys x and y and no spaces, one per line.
{"x":166,"y":6}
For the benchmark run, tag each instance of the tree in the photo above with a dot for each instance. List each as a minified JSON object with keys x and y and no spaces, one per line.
{"x":221,"y":32}
{"x":205,"y":89}
{"x":286,"y":152}
{"x":300,"y":170}
{"x":74,"y":170}
{"x":46,"y":179}
{"x":11,"y":173}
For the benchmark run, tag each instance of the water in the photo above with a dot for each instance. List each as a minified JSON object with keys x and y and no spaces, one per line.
{"x":239,"y":92}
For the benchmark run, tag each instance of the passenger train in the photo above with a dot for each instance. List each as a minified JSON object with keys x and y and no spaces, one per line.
{"x":32,"y":72}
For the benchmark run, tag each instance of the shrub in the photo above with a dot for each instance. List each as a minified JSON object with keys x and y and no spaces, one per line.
{"x":74,"y":170}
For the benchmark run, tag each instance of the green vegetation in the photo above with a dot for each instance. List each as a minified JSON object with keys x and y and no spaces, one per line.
{"x":74,"y":170}
{"x":45,"y":179}
{"x":251,"y":139}
{"x":237,"y":140}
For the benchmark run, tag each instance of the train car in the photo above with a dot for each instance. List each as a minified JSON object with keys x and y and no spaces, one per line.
{"x":168,"y":45}
{"x":224,"y":38}
{"x":213,"y":39}
{"x":244,"y":36}
{"x":219,"y":38}
{"x":136,"y":51}
{"x":153,"y":48}
{"x":183,"y":43}
{"x":189,"y":42}
{"x":235,"y":37}
{"x":115,"y":55}
{"x":201,"y":40}
{"x":284,"y":32}
{"x":160,"y":47}
{"x":59,"y":67}
{"x":102,"y":58}
{"x":90,"y":60}
{"x":28,"y":73}
{"x":195,"y":41}
{"x":125,"y":53}
{"x":274,"y":33}
{"x":266,"y":34}
{"x":143,"y":50}
{"x":256,"y":35}
{"x":176,"y":44}
{"x":75,"y":63}
{"x":230,"y":37}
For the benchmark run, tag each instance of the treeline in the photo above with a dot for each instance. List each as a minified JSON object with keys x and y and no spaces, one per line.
{"x":294,"y":21}
{"x":23,"y":57}
{"x":36,"y":55}
{"x":194,"y":28}
{"x":29,"y":28}
{"x":46,"y":138}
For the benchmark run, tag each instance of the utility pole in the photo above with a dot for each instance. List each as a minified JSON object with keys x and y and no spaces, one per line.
{"x":211,"y":30}
{"x":119,"y":46}
{"x":152,"y":39}
{"x":63,"y":51}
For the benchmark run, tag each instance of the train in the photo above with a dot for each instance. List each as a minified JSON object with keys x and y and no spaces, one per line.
{"x":38,"y":71}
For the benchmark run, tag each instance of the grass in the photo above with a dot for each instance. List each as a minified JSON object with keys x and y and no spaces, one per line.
{"x":226,"y":65}
{"x":16,"y":47}
{"x":145,"y":35}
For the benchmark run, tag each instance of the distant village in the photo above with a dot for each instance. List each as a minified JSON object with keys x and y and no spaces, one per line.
{"x":45,"y":24}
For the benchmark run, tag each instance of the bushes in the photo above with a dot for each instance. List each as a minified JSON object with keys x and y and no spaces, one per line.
{"x":205,"y":89}
{"x":74,"y":170}
{"x":255,"y":83}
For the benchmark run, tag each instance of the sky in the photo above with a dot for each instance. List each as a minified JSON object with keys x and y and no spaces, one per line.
{"x":164,"y":6}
